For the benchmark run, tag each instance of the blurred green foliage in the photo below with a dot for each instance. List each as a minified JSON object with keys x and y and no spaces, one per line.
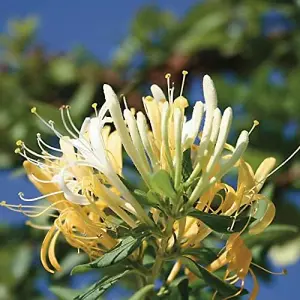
{"x":30,"y":77}
{"x":255,"y":66}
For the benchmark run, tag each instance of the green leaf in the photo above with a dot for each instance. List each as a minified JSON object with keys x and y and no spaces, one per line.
{"x":161,"y":183}
{"x":142,"y":293}
{"x":276,"y":233}
{"x":223,"y":288}
{"x":187,"y":167}
{"x":205,"y":255}
{"x":220,"y":223}
{"x":128,"y":184}
{"x":100,"y":287}
{"x":179,"y":289}
{"x":69,"y":262}
{"x":62,"y":70}
{"x":148,"y":199}
{"x":126,"y":247}
{"x":64,"y":293}
{"x":22,"y":262}
{"x":82,"y":99}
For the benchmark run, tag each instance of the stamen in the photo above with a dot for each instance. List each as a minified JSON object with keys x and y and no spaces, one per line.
{"x":283,"y":163}
{"x":40,"y":141}
{"x":39,"y":155}
{"x":36,"y":162}
{"x":172,"y":93}
{"x":168,"y":76}
{"x":184,"y":73}
{"x":124,"y":101}
{"x":30,"y":213}
{"x":21,"y":195}
{"x":283,"y":272}
{"x":94,"y":106}
{"x":70,"y":119}
{"x":40,"y":180}
{"x":255,"y":124}
{"x":49,"y":124}
{"x":36,"y":226}
{"x":65,"y":124}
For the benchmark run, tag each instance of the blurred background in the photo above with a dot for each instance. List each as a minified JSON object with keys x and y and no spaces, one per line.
{"x":54,"y":53}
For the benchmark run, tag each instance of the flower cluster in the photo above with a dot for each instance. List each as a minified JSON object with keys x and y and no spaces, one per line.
{"x":181,"y":164}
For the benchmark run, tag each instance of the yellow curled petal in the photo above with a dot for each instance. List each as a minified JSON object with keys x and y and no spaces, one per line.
{"x":255,"y":289}
{"x":51,"y":252}
{"x":263,"y":170}
{"x":44,"y":248}
{"x":245,"y":176}
{"x":264,"y":221}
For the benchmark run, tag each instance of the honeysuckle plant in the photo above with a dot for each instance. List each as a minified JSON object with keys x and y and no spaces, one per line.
{"x":181,"y":204}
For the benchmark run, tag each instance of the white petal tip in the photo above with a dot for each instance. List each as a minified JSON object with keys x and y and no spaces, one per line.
{"x":108,"y":90}
{"x":157,"y":93}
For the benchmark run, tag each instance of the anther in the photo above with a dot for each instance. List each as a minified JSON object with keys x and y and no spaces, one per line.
{"x":94,"y":106}
{"x":19,"y":143}
{"x":33,"y":110}
{"x":184,"y":73}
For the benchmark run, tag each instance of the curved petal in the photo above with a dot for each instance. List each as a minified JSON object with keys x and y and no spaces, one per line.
{"x":265,"y":217}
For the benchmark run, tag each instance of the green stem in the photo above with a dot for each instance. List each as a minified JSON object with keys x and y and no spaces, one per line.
{"x":159,"y":260}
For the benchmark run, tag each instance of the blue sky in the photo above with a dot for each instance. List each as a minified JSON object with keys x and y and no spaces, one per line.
{"x":99,"y":26}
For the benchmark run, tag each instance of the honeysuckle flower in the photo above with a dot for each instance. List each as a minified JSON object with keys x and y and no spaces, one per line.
{"x":238,"y":259}
{"x":162,"y":145}
{"x":181,"y":163}
{"x":83,"y":174}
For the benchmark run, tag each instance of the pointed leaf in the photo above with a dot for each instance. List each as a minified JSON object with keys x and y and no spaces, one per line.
{"x":222,"y":287}
{"x":187,"y":167}
{"x":64,"y":293}
{"x":276,"y":233}
{"x":179,"y":289}
{"x":220,"y":223}
{"x":97,"y":289}
{"x":161,"y":183}
{"x":148,"y":199}
{"x":126,"y":247}
{"x":203,"y":254}
{"x":142,"y":293}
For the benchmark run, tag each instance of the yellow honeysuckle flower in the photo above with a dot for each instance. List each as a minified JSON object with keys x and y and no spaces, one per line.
{"x":238,"y":258}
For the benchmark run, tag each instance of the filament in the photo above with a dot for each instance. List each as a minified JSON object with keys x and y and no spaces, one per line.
{"x":184,"y":73}
{"x":21,"y":195}
{"x":65,"y":124}
{"x":283,"y":272}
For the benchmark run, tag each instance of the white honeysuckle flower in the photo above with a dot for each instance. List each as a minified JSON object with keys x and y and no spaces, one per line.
{"x":161,"y":144}
{"x":85,"y":150}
